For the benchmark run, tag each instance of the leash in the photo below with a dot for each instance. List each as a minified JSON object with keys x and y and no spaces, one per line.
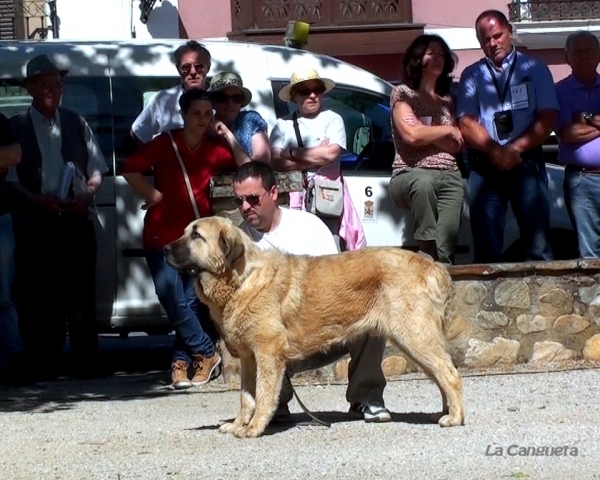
{"x":303,"y":407}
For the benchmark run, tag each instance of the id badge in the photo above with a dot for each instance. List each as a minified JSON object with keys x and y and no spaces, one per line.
{"x":519,"y":96}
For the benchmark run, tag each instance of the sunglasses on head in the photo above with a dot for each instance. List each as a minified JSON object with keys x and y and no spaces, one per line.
{"x":186,"y":68}
{"x":221,"y":97}
{"x":253,"y":200}
{"x":306,"y":91}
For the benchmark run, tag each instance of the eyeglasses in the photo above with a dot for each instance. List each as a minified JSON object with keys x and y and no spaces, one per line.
{"x":306,"y":91}
{"x":221,"y":97}
{"x":186,"y":68}
{"x":253,"y":200}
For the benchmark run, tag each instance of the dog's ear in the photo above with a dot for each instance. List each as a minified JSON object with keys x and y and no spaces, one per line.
{"x":231,"y":244}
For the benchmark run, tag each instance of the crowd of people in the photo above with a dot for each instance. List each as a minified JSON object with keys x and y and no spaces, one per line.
{"x":507,"y":105}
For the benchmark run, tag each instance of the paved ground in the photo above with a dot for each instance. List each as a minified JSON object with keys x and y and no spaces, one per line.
{"x":130,"y":426}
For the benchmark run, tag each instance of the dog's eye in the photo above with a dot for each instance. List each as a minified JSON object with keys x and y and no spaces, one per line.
{"x":195,"y":236}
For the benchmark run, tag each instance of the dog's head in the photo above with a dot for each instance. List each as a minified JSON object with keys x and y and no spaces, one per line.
{"x":210,"y":244}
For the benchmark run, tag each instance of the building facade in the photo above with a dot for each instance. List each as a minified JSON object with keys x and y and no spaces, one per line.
{"x":372,"y":34}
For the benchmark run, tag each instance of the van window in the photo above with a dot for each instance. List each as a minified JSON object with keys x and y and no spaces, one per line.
{"x":130,"y":94}
{"x":368,"y":130}
{"x":90,"y":97}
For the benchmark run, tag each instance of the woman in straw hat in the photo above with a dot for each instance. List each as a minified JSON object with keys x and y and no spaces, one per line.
{"x":312,"y":140}
{"x":229,"y":96}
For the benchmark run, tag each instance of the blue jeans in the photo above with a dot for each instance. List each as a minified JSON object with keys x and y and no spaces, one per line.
{"x":10,"y":339}
{"x":581,"y":198}
{"x":526,"y":188}
{"x":189,"y":316}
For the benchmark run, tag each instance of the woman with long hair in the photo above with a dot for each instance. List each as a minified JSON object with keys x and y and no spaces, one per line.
{"x":425,"y":176}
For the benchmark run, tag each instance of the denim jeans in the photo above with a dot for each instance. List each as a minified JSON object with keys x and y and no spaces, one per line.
{"x":526,"y":188}
{"x":190,"y":318}
{"x":583,"y":204}
{"x":10,"y":339}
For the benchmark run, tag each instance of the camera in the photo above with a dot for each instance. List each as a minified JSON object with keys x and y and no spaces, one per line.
{"x":504,"y":123}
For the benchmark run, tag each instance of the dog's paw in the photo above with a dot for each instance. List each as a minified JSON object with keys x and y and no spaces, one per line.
{"x":228,"y":428}
{"x":248,"y":432}
{"x":451,"y":421}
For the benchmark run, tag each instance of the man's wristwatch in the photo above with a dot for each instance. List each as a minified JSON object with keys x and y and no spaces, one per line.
{"x":587,"y":117}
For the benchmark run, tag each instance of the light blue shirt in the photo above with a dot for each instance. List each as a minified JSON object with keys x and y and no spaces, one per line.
{"x":531,"y":91}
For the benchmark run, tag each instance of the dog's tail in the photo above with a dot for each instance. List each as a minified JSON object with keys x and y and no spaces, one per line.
{"x":441,"y":293}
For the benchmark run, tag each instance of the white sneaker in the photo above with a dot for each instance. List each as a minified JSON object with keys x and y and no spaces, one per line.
{"x":370,"y":412}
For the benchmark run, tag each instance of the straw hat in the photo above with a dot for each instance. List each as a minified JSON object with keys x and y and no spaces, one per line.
{"x":41,"y":65}
{"x":229,"y":79}
{"x":300,"y":76}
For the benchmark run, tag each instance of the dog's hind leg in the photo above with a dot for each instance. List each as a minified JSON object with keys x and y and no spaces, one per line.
{"x":269,"y":376}
{"x":428,"y":350}
{"x":247,"y":397}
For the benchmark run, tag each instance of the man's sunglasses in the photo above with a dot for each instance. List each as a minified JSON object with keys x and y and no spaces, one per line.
{"x":253,"y":200}
{"x":306,"y":91}
{"x":221,"y":97}
{"x":186,"y":68}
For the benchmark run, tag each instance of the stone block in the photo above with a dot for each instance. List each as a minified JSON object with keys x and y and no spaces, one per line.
{"x":499,"y":351}
{"x":546,"y":352}
{"x":340,"y":369}
{"x":571,"y":324}
{"x":512,"y":293}
{"x":589,"y":294}
{"x":394,"y":365}
{"x":591,"y":351}
{"x":473,"y":293}
{"x":556,"y":302}
{"x":491,"y":320}
{"x":532,"y":323}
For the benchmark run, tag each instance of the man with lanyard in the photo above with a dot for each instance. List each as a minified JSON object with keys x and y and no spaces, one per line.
{"x":506,"y":108}
{"x":579,"y":139}
{"x":161,"y":113}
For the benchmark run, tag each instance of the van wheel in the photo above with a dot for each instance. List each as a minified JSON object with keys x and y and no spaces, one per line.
{"x":563,"y":242}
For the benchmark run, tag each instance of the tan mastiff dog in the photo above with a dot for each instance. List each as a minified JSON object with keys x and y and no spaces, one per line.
{"x":274,"y":308}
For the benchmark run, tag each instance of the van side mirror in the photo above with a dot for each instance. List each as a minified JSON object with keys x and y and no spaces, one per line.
{"x":362,"y":136}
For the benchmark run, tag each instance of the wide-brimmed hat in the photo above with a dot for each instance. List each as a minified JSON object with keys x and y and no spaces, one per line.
{"x":229,"y":79}
{"x":41,"y":65}
{"x":300,"y":76}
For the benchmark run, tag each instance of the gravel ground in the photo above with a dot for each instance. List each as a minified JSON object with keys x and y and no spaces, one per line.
{"x":133,"y":427}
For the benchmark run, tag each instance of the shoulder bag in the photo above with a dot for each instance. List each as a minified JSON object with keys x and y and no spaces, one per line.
{"x":185,"y":176}
{"x":324,"y":196}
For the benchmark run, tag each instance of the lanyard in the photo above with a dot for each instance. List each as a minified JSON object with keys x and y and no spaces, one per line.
{"x":507,"y":84}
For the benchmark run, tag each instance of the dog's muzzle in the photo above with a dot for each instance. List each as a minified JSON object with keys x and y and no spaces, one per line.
{"x":175,"y":259}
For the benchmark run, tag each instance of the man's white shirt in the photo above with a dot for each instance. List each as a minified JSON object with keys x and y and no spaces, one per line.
{"x":161,"y":114}
{"x":298,"y":233}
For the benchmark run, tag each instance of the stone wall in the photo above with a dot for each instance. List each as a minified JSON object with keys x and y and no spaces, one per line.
{"x":504,"y":315}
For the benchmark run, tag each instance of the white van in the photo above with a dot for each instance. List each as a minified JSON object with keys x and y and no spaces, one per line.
{"x":108,"y":84}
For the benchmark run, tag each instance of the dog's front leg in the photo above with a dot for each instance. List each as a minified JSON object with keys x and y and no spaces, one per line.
{"x":247,"y":397}
{"x":269,"y":376}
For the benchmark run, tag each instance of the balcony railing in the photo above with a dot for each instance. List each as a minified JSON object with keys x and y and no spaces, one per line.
{"x":551,"y":10}
{"x":275,"y":14}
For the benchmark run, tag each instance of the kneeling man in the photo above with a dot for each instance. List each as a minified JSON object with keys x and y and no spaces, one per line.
{"x":301,"y":233}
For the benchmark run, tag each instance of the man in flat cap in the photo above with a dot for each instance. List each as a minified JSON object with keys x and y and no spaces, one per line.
{"x":52,"y":197}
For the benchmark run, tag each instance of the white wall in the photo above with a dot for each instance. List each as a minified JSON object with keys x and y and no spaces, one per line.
{"x":112,"y":20}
